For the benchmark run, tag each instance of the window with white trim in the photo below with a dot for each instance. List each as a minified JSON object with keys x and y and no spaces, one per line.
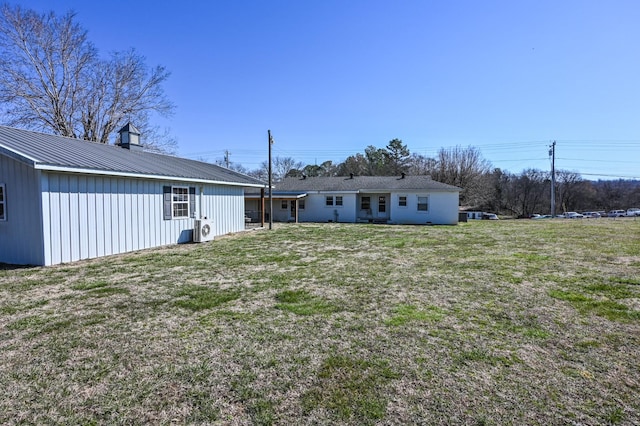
{"x":402,"y":201}
{"x":300,"y":204}
{"x":338,"y":200}
{"x":284,"y":205}
{"x":328,"y":200}
{"x":3,"y":202}
{"x":180,"y":201}
{"x":423,"y":204}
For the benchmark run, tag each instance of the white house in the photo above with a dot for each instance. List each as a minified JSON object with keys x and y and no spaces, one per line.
{"x":63,"y":199}
{"x":369,"y":199}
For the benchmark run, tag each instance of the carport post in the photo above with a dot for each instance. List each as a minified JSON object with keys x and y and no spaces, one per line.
{"x":270,"y":187}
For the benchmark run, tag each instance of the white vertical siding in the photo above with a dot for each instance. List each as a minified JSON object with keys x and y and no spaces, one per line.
{"x":59,"y":217}
{"x":83,"y":213}
{"x":88,"y":198}
{"x":92,"y":216}
{"x":64,"y":240}
{"x":121,"y":219}
{"x":21,"y":233}
{"x":102,"y":204}
{"x":225,"y":206}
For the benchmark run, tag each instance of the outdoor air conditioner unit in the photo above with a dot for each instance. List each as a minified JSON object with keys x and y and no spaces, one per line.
{"x":203,"y":230}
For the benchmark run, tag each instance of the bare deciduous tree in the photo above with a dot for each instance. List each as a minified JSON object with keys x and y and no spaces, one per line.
{"x":420,"y":165}
{"x":52,"y":79}
{"x":466,"y":169}
{"x":527,"y":193}
{"x":280,"y":168}
{"x":569,"y":189}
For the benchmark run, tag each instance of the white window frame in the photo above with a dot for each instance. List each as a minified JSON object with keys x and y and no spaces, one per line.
{"x":328,"y":201}
{"x":426,"y":197}
{"x":402,"y":201}
{"x":3,"y":202}
{"x":301,"y":203}
{"x":175,"y":203}
{"x":284,"y":205}
{"x":339,"y":201}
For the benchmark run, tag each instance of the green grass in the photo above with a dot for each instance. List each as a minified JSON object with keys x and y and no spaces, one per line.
{"x":402,"y":314}
{"x":201,"y":297}
{"x":301,"y":302}
{"x":351,"y":389}
{"x":515,"y":322}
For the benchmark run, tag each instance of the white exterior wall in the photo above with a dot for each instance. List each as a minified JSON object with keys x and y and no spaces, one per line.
{"x":316,"y":210}
{"x":279,"y":214}
{"x":442,"y":208}
{"x":92,"y":216}
{"x":224,"y":204}
{"x":21,"y":233}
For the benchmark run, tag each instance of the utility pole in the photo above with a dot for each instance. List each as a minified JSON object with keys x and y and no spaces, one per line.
{"x":552,"y":154}
{"x":226,"y":157}
{"x":270,"y":187}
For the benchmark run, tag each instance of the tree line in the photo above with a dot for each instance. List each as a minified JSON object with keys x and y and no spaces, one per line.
{"x":483,"y":187}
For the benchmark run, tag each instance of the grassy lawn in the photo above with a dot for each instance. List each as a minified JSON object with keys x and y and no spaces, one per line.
{"x":485,"y":323}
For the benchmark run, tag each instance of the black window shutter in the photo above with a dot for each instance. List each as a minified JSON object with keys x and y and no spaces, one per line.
{"x":192,"y":201}
{"x":166,"y":191}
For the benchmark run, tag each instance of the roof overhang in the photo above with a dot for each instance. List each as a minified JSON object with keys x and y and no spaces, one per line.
{"x":280,"y":195}
{"x":321,"y":191}
{"x":63,"y":169}
{"x":17,"y":156}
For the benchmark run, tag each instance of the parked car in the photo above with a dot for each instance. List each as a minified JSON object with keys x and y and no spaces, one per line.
{"x":591,"y":215}
{"x":573,"y":215}
{"x":490,"y":216}
{"x":617,"y":213}
{"x":633,"y":212}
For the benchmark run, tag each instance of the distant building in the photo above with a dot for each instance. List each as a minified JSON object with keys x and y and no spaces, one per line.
{"x":365,"y":199}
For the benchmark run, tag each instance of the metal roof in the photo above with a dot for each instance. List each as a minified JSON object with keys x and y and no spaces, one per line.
{"x":51,"y":152}
{"x":363,"y":184}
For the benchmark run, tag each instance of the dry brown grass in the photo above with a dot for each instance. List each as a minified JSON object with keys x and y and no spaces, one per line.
{"x":515,"y":322}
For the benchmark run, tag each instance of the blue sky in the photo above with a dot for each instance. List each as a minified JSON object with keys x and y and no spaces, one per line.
{"x":331,"y":77}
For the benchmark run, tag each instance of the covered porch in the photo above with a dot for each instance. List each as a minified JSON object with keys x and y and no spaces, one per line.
{"x":373,"y":207}
{"x":286,"y":206}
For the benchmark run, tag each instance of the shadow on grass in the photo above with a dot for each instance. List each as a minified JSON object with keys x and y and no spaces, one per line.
{"x":11,"y":267}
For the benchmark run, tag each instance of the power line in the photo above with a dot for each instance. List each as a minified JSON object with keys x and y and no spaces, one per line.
{"x":521,"y":154}
{"x":614,"y":176}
